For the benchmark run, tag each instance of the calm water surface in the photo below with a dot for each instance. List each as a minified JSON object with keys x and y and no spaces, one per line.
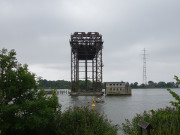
{"x":119,"y":108}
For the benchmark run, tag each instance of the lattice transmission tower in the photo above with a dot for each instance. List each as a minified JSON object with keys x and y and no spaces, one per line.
{"x":144,"y":67}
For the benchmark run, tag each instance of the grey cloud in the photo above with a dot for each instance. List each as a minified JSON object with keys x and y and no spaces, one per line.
{"x":40,"y":31}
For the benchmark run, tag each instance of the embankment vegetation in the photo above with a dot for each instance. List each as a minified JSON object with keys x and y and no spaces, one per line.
{"x":152,"y":84}
{"x":165,"y":121}
{"x":27,"y":110}
{"x":63,"y":84}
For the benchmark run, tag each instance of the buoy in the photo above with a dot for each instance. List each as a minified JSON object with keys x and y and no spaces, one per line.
{"x":93,"y":102}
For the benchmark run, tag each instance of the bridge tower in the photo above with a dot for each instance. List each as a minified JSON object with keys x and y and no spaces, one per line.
{"x":86,"y":63}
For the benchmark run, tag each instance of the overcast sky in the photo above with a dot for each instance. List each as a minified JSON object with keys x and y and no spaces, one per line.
{"x":39,"y":31}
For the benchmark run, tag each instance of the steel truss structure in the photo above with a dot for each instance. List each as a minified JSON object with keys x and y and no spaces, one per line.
{"x":86,"y":60}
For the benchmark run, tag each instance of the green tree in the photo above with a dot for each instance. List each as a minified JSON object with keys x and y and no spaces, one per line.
{"x":151,"y":84}
{"x":82,"y":84}
{"x":176,"y":103}
{"x":142,"y":86}
{"x":161,"y":85}
{"x":135,"y":85}
{"x":23,"y":108}
{"x":170,"y":85}
{"x":59,"y":84}
{"x":127,"y":84}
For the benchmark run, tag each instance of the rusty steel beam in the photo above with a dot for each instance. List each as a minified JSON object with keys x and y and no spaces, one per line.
{"x":86,"y":47}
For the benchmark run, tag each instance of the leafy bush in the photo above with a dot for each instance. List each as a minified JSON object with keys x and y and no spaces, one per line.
{"x":164,"y":122}
{"x":83,"y":121}
{"x":24,"y":109}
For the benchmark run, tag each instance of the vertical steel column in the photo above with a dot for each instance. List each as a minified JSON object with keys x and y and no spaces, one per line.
{"x":77,"y":68}
{"x":101,"y":65}
{"x":94,"y":75}
{"x":71,"y":69}
{"x":86,"y":73}
{"x":99,"y":68}
{"x":93,"y":71}
{"x":96,"y":68}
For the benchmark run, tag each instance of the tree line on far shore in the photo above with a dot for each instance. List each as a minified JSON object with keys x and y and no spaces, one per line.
{"x":152,"y":84}
{"x":63,"y":84}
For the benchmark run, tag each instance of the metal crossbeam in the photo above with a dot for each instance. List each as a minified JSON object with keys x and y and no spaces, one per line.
{"x":86,"y":57}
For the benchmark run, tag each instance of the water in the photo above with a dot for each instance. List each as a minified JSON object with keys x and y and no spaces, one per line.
{"x":119,"y":108}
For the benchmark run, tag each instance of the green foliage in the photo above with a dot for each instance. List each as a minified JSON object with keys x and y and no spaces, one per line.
{"x":176,"y":96}
{"x":23,"y":108}
{"x":82,"y":84}
{"x":134,"y":85}
{"x":83,"y":121}
{"x":59,"y":84}
{"x":164,"y":121}
{"x":161,"y":85}
{"x":62,"y":84}
{"x":152,"y":84}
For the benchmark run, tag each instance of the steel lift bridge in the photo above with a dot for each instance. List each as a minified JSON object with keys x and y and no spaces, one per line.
{"x":86,"y":62}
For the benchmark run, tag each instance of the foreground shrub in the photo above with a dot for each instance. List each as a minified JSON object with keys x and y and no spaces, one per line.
{"x":164,"y":122}
{"x":24,"y":110}
{"x":83,"y":121}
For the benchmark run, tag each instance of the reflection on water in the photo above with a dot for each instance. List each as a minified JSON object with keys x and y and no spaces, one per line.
{"x":119,"y":108}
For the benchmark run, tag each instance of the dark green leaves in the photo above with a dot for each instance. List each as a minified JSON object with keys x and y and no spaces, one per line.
{"x":23,"y":108}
